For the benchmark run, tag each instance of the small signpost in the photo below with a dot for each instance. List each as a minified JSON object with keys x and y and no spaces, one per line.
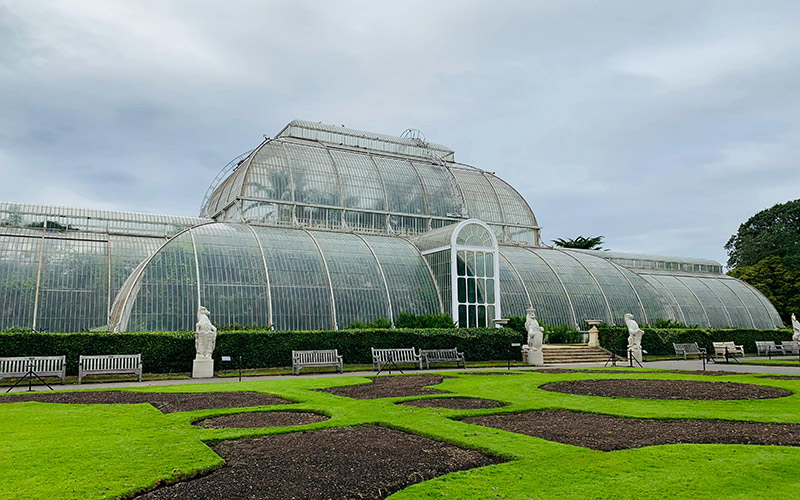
{"x":227,"y":359}
{"x":511,"y":352}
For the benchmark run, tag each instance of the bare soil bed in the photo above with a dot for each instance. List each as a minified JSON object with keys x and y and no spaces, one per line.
{"x":489,"y":373}
{"x":782,"y":377}
{"x":390,"y":387}
{"x":608,"y":433}
{"x":362,"y":462}
{"x":454,"y":403}
{"x":261,"y":419}
{"x":666,"y":389}
{"x":166,"y":402}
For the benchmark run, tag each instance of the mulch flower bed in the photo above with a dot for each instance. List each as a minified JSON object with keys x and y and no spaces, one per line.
{"x":782,"y":377}
{"x":489,"y":373}
{"x":261,"y":419}
{"x":362,"y":462}
{"x":166,"y":402}
{"x":608,"y":433}
{"x":666,"y":389}
{"x":390,"y":387}
{"x":710,"y":373}
{"x":454,"y":403}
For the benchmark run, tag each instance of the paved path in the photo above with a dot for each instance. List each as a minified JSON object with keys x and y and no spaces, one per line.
{"x":691,"y":364}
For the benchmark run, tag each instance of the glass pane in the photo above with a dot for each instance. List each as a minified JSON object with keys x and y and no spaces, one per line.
{"x":462,"y":316}
{"x":481,"y":315}
{"x":462,"y":290}
{"x":460,"y":264}
{"x":479,"y":260}
{"x":471,"y":320}
{"x":489,"y":265}
{"x":471,"y":265}
{"x":490,"y":291}
{"x":471,"y":289}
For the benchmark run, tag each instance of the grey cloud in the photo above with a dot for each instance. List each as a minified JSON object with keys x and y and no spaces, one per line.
{"x":661,"y":126}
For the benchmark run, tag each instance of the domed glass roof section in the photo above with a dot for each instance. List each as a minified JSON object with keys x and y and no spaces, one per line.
{"x":316,"y":175}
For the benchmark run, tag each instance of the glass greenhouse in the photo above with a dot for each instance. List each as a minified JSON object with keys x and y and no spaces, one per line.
{"x":324,"y":226}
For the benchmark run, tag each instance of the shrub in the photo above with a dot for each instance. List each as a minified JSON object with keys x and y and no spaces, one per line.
{"x":659,"y":340}
{"x":380,"y":323}
{"x":408,"y":320}
{"x":174,"y":351}
{"x":560,"y":334}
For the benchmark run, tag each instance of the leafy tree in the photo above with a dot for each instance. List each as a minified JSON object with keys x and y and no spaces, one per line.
{"x":590,"y":243}
{"x":779,"y":283}
{"x":771,"y":232}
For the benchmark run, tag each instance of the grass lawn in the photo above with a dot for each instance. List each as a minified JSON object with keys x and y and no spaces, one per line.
{"x":105,"y":451}
{"x":776,"y":361}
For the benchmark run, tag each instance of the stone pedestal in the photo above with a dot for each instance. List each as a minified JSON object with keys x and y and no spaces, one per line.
{"x":636,"y":353}
{"x":203,"y":368}
{"x":594,"y":339}
{"x":535,"y":357}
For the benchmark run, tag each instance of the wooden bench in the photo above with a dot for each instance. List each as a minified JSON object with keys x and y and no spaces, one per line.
{"x":105,"y":364}
{"x":443,"y":356}
{"x":791,"y":347}
{"x":322,"y":357}
{"x":381,"y":357}
{"x":44,"y":366}
{"x":768,"y":347}
{"x":690,"y":349}
{"x":733,"y":350}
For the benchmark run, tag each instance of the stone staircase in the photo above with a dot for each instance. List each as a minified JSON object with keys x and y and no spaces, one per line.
{"x":573,"y":353}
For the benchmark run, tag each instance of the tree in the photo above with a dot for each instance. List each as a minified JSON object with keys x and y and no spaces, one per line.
{"x":771,"y":232}
{"x":779,"y":283}
{"x":590,"y":243}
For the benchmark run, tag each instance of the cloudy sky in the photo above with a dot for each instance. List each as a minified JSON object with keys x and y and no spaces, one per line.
{"x":660,"y":125}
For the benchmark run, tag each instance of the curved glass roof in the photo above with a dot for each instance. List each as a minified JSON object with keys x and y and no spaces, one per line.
{"x":569,"y":287}
{"x":293,"y":279}
{"x":323,"y":176}
{"x":646,"y":261}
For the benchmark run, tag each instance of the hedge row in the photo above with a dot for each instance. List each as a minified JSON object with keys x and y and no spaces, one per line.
{"x":659,"y":340}
{"x":174,"y":351}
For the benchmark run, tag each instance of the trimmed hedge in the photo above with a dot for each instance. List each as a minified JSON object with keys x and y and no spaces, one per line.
{"x":659,"y":341}
{"x":170,"y":352}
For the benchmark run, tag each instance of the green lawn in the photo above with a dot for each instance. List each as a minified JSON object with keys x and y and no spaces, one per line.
{"x":104,"y":451}
{"x":776,"y":361}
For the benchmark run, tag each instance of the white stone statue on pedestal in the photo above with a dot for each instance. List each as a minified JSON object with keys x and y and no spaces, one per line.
{"x":535,"y":338}
{"x":205,"y":339}
{"x":634,"y":337}
{"x":795,"y":329}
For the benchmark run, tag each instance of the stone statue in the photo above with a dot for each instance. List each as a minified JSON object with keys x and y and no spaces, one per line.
{"x":634,"y":332}
{"x":535,"y":338}
{"x":796,"y":329}
{"x":205,"y":335}
{"x":205,"y":339}
{"x":535,"y":331}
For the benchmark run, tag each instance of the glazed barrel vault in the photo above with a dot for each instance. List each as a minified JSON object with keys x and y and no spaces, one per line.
{"x":324,"y":226}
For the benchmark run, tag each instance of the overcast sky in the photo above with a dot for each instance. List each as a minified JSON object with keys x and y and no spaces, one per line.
{"x":660,"y":125}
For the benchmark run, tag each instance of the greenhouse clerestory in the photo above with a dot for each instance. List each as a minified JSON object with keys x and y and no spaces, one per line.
{"x":323,"y":226}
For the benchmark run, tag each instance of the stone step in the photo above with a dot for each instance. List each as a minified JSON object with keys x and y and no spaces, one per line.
{"x":573,"y":353}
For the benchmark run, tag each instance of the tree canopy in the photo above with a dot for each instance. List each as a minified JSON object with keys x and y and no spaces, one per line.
{"x":771,"y":232}
{"x":590,"y":243}
{"x":765,"y":253}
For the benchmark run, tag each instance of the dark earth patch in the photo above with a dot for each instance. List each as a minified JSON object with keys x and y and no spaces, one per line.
{"x":782,"y":377}
{"x":710,"y":373}
{"x":166,"y":402}
{"x":454,"y":403}
{"x":489,"y":373}
{"x":390,"y":387}
{"x":608,"y":433}
{"x":261,"y":419}
{"x":363,"y":462}
{"x":666,"y":389}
